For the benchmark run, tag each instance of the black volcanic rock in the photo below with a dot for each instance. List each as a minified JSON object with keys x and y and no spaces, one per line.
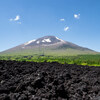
{"x":48,"y":81}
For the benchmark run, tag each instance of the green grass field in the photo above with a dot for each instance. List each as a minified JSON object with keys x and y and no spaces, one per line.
{"x":90,"y":60}
{"x":48,"y":52}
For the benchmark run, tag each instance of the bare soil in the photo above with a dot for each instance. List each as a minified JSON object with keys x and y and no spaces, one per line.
{"x":48,"y":81}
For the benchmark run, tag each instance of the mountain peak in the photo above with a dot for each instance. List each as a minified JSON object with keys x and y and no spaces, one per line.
{"x":46,"y":40}
{"x":50,"y":44}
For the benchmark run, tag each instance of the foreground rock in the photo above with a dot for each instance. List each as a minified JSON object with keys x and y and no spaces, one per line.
{"x":48,"y":81}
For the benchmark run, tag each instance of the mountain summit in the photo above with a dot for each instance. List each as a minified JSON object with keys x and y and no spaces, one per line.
{"x":49,"y":45}
{"x":44,"y":41}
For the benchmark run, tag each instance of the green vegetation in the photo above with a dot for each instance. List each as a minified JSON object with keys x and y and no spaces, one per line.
{"x":47,"y":51}
{"x":90,"y":60}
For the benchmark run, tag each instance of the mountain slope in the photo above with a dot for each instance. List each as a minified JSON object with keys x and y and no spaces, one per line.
{"x":49,"y":45}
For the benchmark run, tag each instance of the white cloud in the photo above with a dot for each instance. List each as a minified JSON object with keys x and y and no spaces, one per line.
{"x":66,"y":28}
{"x":17,"y":18}
{"x":77,"y":16}
{"x":62,"y":19}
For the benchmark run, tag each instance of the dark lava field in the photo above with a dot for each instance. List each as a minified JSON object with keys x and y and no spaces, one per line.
{"x":48,"y":81}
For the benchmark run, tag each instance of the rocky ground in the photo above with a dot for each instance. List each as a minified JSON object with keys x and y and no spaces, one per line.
{"x":48,"y":81}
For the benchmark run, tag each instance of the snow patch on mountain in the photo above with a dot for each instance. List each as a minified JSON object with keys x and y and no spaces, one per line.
{"x":60,"y":39}
{"x":46,"y":40}
{"x":29,"y":42}
{"x":38,"y":42}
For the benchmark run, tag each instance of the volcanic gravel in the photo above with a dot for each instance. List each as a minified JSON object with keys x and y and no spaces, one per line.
{"x":48,"y":81}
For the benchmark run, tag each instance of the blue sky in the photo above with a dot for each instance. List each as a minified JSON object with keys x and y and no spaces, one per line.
{"x":76,"y":21}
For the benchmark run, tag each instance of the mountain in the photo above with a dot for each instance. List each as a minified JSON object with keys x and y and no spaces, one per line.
{"x":49,"y":45}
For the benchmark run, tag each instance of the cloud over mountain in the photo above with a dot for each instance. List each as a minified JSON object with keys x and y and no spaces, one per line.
{"x":77,"y":16}
{"x":66,"y":28}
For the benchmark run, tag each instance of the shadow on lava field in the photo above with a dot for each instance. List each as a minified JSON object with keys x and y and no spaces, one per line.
{"x":48,"y":81}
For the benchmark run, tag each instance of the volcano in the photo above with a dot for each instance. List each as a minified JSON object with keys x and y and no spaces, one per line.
{"x":49,"y":45}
